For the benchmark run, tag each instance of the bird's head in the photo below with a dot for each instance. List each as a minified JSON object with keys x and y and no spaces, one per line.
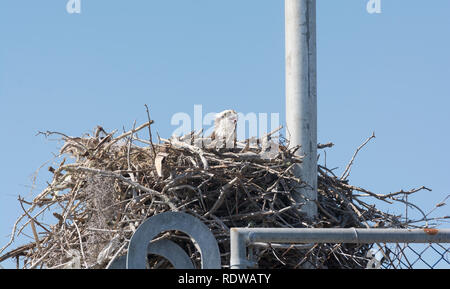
{"x":228,"y":114}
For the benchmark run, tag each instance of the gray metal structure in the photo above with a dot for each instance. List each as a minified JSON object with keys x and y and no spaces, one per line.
{"x":164,"y":248}
{"x":173,"y":221}
{"x":301,"y":96}
{"x":241,"y":238}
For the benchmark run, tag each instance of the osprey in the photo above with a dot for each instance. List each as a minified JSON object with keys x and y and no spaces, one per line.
{"x":225,"y":125}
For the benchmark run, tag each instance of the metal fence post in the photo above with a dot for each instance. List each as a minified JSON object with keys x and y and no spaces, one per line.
{"x":238,"y":249}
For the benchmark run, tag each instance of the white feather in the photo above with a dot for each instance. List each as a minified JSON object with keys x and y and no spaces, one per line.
{"x":225,"y":125}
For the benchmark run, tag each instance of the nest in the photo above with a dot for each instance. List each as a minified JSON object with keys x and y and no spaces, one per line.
{"x":115,"y":183}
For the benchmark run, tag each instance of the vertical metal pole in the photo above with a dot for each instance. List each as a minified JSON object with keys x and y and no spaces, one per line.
{"x":238,"y":249}
{"x":301,"y":95}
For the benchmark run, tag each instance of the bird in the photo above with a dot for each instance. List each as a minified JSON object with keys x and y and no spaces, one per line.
{"x":225,"y":124}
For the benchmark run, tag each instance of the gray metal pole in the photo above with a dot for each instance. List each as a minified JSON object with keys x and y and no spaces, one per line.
{"x":240,"y":238}
{"x":301,"y":95}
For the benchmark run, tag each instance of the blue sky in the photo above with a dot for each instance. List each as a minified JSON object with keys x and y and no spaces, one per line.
{"x":387,"y":73}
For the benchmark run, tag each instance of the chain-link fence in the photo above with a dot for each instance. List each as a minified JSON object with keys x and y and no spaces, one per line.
{"x":372,"y":256}
{"x":409,"y":256}
{"x":343,"y":248}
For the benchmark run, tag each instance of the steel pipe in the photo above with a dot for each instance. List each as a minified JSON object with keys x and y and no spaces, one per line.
{"x":301,"y":96}
{"x":240,"y":238}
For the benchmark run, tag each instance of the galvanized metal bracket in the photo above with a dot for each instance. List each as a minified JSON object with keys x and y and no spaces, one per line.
{"x":170,"y":221}
{"x":164,"y":248}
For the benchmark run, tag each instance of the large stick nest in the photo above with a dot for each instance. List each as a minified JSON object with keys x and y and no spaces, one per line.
{"x":114,"y":185}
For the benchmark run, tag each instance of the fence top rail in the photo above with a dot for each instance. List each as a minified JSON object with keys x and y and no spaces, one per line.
{"x":341,"y":235}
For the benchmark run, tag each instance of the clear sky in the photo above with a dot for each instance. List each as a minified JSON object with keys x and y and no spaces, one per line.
{"x":387,"y":73}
